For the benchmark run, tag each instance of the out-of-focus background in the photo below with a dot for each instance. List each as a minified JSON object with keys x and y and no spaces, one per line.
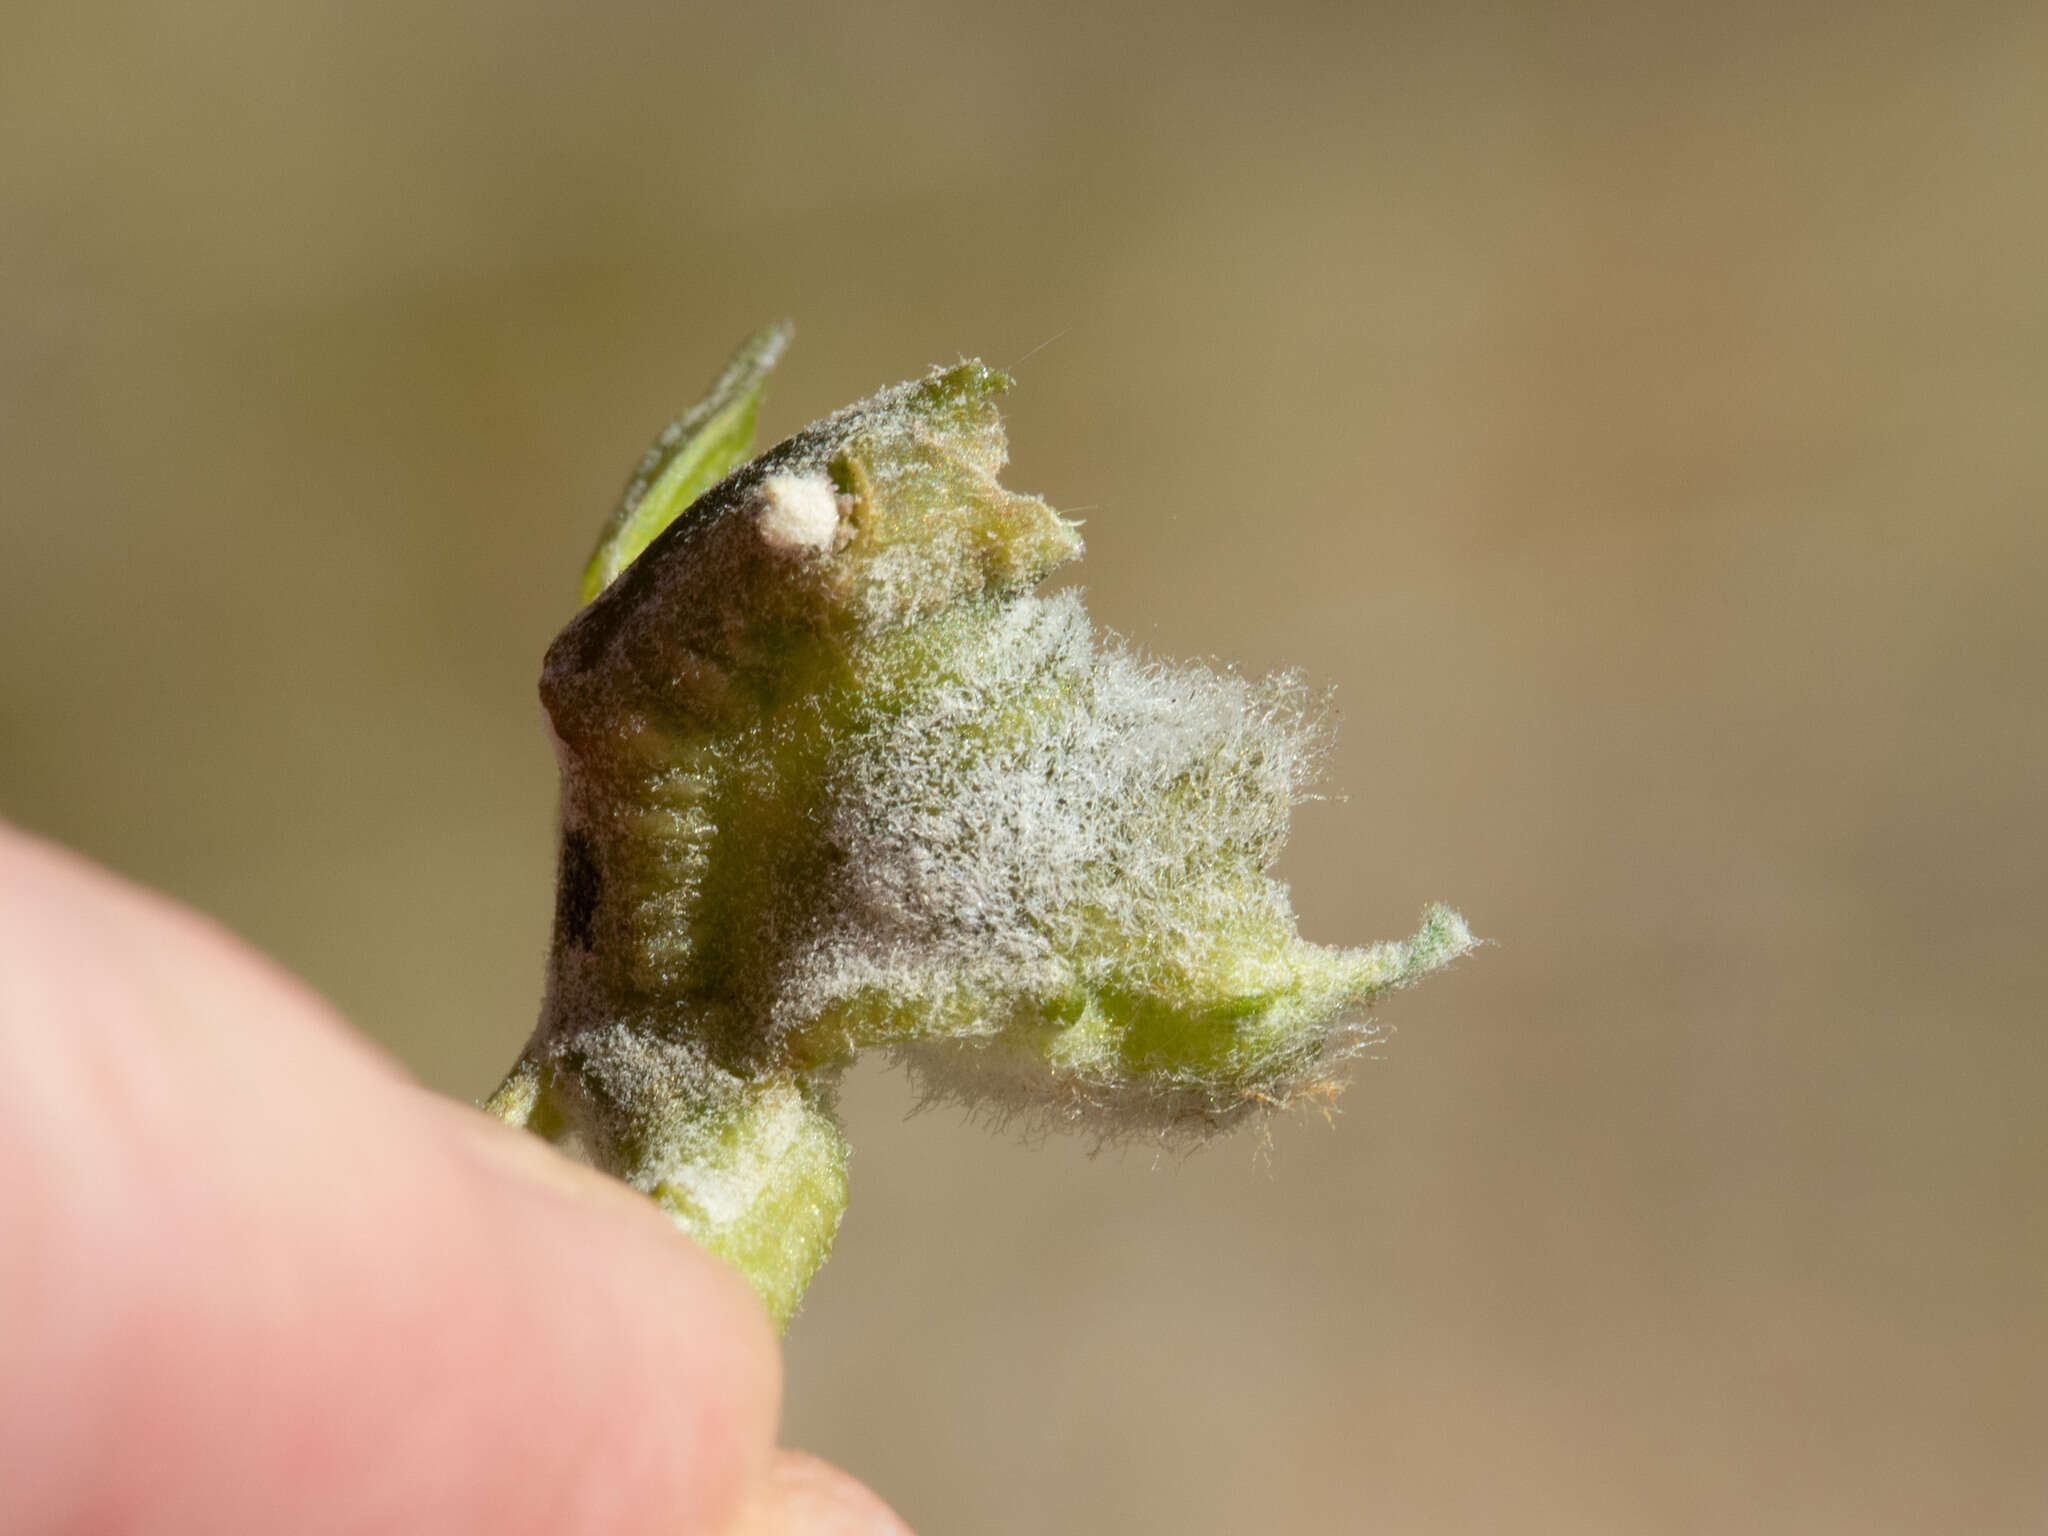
{"x":1636,"y":412}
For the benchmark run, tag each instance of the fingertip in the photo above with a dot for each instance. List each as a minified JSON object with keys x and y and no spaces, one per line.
{"x":803,"y":1496}
{"x":660,"y":1353}
{"x":268,"y":1283}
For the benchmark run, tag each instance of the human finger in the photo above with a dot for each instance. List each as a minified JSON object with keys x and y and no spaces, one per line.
{"x":253,"y":1280}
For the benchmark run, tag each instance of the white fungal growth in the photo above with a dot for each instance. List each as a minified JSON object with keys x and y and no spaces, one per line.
{"x":799,"y":513}
{"x":1043,"y":836}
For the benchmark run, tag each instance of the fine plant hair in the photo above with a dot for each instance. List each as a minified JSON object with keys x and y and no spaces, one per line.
{"x":835,"y":778}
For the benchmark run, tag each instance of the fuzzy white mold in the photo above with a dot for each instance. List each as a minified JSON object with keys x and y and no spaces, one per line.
{"x":799,"y":513}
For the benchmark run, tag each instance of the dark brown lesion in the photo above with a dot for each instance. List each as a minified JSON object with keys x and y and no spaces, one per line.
{"x":579,"y":888}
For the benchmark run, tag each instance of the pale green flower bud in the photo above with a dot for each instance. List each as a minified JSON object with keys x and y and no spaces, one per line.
{"x":833,"y":777}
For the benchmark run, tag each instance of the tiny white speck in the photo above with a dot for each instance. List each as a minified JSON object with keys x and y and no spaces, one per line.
{"x":799,"y":512}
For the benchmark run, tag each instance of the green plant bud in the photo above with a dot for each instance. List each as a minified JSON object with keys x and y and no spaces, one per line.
{"x":835,"y":778}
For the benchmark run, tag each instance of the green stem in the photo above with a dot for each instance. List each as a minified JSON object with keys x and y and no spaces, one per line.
{"x":754,"y":1171}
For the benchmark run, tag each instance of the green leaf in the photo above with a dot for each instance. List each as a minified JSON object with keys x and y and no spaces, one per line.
{"x":692,"y":454}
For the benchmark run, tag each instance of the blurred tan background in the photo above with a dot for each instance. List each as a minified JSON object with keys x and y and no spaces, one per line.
{"x":1636,"y":413}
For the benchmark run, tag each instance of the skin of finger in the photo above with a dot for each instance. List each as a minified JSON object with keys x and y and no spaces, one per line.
{"x":803,"y":1496}
{"x":255,"y":1280}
